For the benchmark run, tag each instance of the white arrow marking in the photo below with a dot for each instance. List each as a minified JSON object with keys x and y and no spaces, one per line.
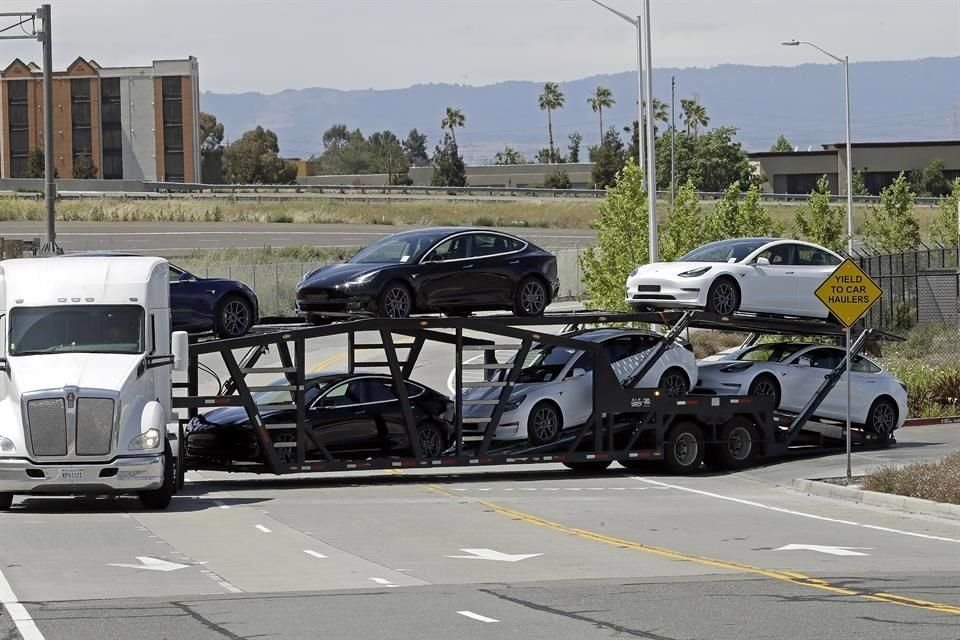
{"x":834,"y":551}
{"x":310,"y":552}
{"x":490,"y":554}
{"x":152,"y":564}
{"x":477,"y":616}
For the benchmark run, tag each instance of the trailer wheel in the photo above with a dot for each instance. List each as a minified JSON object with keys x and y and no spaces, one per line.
{"x":588,"y":466}
{"x":737,"y":448}
{"x":544,"y":423}
{"x":6,"y":501}
{"x":766,"y":385}
{"x":160,"y":498}
{"x":684,"y":448}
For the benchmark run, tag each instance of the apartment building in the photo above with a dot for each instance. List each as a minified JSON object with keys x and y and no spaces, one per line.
{"x":131,"y":123}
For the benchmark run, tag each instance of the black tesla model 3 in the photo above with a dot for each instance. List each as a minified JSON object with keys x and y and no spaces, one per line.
{"x":353,"y":415}
{"x":444,"y":269}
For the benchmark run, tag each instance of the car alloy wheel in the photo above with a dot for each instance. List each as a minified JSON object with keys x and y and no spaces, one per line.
{"x":235,"y":318}
{"x":674,"y":384}
{"x":883,"y":418}
{"x":723,"y":298}
{"x":765,"y":385}
{"x":544,"y":424}
{"x":431,"y":441}
{"x":287,"y":455}
{"x":396,"y":302}
{"x":533,"y":298}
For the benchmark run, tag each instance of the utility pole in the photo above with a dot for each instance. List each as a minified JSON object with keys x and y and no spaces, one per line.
{"x":50,"y":190}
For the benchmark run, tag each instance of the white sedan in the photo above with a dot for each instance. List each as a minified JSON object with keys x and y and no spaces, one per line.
{"x":791,"y":373}
{"x":757,"y":275}
{"x":555,"y":387}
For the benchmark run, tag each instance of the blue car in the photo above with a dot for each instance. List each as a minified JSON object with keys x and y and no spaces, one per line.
{"x":228,"y":308}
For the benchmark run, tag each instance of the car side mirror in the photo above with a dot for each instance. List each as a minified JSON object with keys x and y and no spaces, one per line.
{"x":435,"y":257}
{"x":802,"y":362}
{"x":578,"y":372}
{"x":762,"y":262}
{"x":186,"y":277}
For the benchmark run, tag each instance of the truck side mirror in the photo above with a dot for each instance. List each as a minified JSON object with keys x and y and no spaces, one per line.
{"x":179,"y":347}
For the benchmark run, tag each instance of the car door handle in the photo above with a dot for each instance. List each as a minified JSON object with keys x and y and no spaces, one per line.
{"x":788,"y":273}
{"x":468,"y":266}
{"x":514,"y":262}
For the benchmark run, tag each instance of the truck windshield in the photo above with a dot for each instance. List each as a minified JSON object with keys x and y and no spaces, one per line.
{"x":76,"y":329}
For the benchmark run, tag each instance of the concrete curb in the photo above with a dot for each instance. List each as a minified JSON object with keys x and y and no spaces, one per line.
{"x":923,"y":422}
{"x":876,"y":499}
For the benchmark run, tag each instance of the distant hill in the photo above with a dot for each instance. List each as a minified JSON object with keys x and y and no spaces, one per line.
{"x":897,"y":100}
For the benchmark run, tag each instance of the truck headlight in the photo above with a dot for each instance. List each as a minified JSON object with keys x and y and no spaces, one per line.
{"x":149,"y":439}
{"x":6,"y":445}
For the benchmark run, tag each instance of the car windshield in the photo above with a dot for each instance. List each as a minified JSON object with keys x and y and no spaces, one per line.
{"x":283,"y":396}
{"x":544,"y":364}
{"x":725,"y":250}
{"x":396,"y":249}
{"x":76,"y":329}
{"x":770,"y":352}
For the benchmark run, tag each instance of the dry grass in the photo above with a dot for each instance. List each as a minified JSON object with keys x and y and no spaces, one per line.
{"x":938,"y":481}
{"x":707,"y":343}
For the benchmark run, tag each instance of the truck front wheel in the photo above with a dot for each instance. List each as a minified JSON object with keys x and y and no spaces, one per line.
{"x":6,"y":501}
{"x":160,"y":498}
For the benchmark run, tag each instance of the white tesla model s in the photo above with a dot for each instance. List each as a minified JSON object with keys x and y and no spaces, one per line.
{"x":757,"y":275}
{"x":791,"y":373}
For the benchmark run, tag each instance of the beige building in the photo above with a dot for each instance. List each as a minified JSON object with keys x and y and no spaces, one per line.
{"x":131,"y":123}
{"x":880,"y":163}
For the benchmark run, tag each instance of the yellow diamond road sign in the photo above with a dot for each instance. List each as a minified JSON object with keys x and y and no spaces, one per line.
{"x":848,"y":292}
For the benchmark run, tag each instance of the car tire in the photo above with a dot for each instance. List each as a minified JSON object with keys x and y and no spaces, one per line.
{"x":6,"y":501}
{"x":432,"y":440}
{"x":531,"y":298}
{"x":588,"y":466}
{"x":286,"y":455}
{"x":882,"y":418}
{"x":234,"y":317}
{"x":723,"y":297}
{"x":544,"y":423}
{"x":737,"y":446}
{"x":674,"y":383}
{"x":395,"y":301}
{"x":684,"y":448}
{"x":159,"y":499}
{"x":766,"y":385}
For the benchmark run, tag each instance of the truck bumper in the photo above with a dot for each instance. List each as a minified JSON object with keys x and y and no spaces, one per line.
{"x":121,"y":475}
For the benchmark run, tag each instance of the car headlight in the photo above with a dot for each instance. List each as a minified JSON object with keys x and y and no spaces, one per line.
{"x":693,"y":273}
{"x":514,"y":403}
{"x":634,"y":272}
{"x":6,"y":445}
{"x":362,"y":279}
{"x":149,"y":439}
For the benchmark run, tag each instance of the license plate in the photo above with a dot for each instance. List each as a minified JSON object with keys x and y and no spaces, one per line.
{"x":71,"y":474}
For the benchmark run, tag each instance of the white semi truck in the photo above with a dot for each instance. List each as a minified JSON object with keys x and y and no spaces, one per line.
{"x":85,"y":379}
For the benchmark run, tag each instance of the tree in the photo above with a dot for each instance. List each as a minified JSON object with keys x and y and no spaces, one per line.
{"x":607,"y":159}
{"x":930,"y":181}
{"x":622,"y":235}
{"x":558,"y":179}
{"x":819,"y":222}
{"x":452,"y":120}
{"x":694,"y":115}
{"x":601,"y":99}
{"x":943,"y":229}
{"x":782,"y":145}
{"x":859,"y":184}
{"x":574,"y":147}
{"x":893,"y":227}
{"x":736,"y":217}
{"x":449,"y":170}
{"x":551,"y":98}
{"x":83,"y":168}
{"x":254,"y":159}
{"x":684,"y":229}
{"x":211,"y":149}
{"x":660,"y":113}
{"x":388,"y":157}
{"x":35,"y":164}
{"x":713,"y":160}
{"x":509,"y":155}
{"x":336,"y":136}
{"x":415,"y":148}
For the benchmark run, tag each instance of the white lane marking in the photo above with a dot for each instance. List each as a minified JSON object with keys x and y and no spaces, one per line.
{"x":477,"y":616}
{"x":452,"y":378}
{"x":384,"y":582}
{"x":151,"y":564}
{"x":18,"y":613}
{"x":220,"y":504}
{"x":822,"y":548}
{"x":314,"y":553}
{"x":802,"y":514}
{"x":499,"y":556}
{"x":263,"y":528}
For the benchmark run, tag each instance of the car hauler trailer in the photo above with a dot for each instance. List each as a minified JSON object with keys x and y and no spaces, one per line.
{"x":627,"y":425}
{"x":85,"y":353}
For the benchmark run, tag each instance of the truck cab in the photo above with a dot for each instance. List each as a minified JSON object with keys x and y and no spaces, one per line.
{"x":85,"y":380}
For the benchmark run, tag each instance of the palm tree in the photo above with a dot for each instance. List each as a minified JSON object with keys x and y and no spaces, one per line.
{"x":694,"y":115}
{"x":660,"y":113}
{"x":601,"y":99}
{"x":551,"y":99}
{"x":453,"y":119}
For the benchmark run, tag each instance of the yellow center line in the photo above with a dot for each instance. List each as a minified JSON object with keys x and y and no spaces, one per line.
{"x":326,"y":362}
{"x":784,"y":576}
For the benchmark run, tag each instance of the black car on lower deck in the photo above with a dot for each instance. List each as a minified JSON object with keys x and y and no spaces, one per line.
{"x":352,"y":415}
{"x":444,"y":269}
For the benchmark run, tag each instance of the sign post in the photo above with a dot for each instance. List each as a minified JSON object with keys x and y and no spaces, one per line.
{"x":848,"y":293}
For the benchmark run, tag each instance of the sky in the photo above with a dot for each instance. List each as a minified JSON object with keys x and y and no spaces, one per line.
{"x":269,"y":46}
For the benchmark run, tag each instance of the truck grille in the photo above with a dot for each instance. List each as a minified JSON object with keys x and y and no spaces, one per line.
{"x":94,"y":426}
{"x":48,"y":426}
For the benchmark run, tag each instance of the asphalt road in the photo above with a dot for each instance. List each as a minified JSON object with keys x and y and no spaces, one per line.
{"x":168,"y":239}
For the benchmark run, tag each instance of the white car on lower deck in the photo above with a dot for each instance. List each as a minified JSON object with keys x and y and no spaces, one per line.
{"x":791,"y":373}
{"x":757,"y":275}
{"x":555,"y":387}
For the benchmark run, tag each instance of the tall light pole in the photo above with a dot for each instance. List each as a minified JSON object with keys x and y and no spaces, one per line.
{"x":845,"y":61}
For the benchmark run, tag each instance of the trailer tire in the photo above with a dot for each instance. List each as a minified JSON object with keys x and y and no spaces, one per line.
{"x":544,"y":423}
{"x":737,"y":447}
{"x":766,"y":385}
{"x":159,"y":499}
{"x":588,"y":466}
{"x":6,"y":501}
{"x":684,"y":448}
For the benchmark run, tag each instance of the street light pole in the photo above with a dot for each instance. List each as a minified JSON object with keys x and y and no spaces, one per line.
{"x":845,"y":61}
{"x":651,"y":172}
{"x":50,"y":184}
